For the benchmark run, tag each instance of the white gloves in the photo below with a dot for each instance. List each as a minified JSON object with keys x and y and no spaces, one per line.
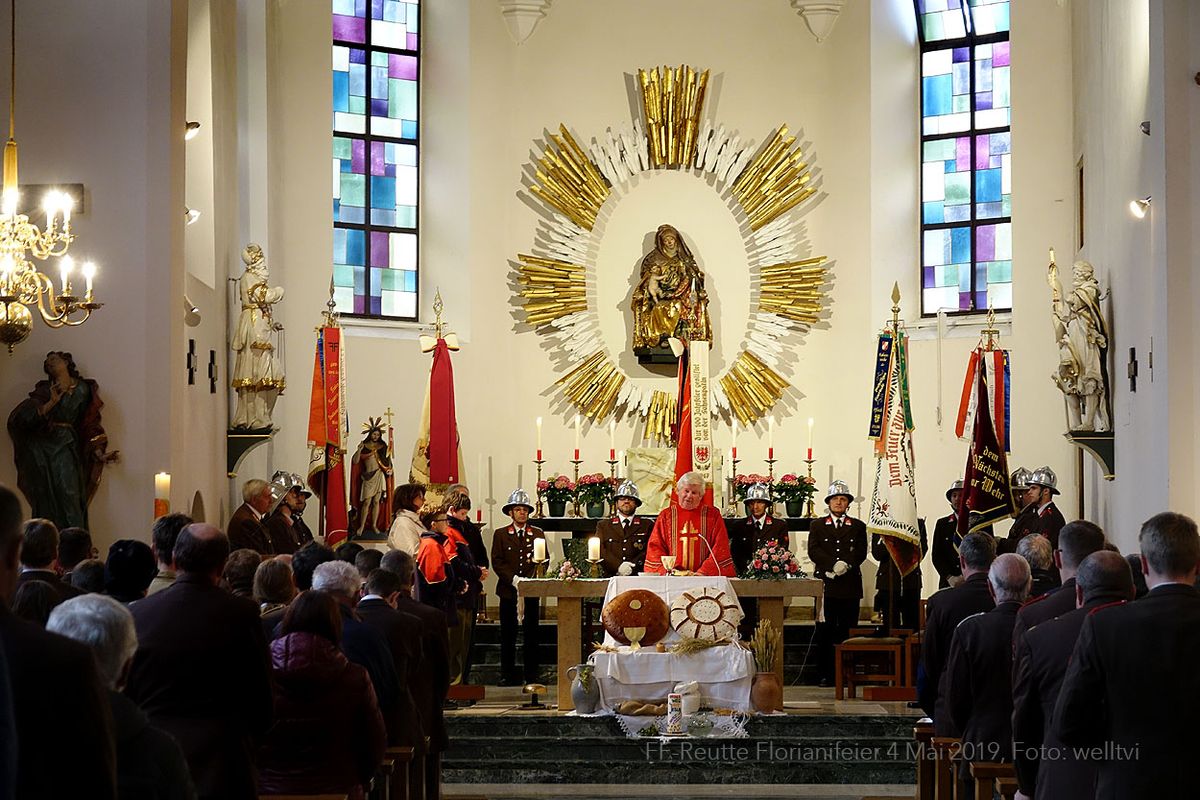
{"x":840,"y":567}
{"x":626,"y":568}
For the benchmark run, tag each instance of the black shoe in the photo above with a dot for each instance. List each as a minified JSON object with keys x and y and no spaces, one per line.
{"x":450,"y":705}
{"x":824,"y":683}
{"x":511,"y":681}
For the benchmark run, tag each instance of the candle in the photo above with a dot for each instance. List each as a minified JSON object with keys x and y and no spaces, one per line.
{"x":539,"y":549}
{"x":576,"y":437}
{"x":810,"y":427}
{"x":89,"y":272}
{"x":770,"y":437}
{"x":621,"y":457}
{"x":479,"y":515}
{"x":733,"y":448}
{"x":612,"y":440}
{"x":67,"y":203}
{"x":1051,"y":255}
{"x":594,"y":548}
{"x":65,"y":264}
{"x":162,"y":486}
{"x":539,"y":438}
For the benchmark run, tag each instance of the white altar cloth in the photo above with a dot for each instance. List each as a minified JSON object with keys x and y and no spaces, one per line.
{"x":724,"y":673}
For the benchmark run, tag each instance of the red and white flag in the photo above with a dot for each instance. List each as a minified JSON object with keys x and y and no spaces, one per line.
{"x":327,"y":432}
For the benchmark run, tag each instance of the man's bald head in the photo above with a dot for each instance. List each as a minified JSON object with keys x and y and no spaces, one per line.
{"x":202,"y":549}
{"x":1009,"y":578}
{"x":1104,"y":575}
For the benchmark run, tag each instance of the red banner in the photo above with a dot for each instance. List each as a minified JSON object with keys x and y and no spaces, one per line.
{"x":326,"y":471}
{"x":443,"y":425}
{"x":986,"y":496}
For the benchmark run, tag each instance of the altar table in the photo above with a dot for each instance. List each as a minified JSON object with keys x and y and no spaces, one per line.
{"x":570,"y":596}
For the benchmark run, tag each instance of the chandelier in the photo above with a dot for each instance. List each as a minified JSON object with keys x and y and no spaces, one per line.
{"x":23,"y":245}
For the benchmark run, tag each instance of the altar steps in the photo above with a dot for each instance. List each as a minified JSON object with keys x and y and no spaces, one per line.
{"x":486,"y":670}
{"x":792,"y":749}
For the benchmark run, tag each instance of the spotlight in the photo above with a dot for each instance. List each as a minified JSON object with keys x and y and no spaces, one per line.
{"x":1139,"y":207}
{"x":193,"y":128}
{"x":191,"y":214}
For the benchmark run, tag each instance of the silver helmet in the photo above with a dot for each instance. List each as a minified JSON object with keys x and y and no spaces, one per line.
{"x":1045,"y":477}
{"x":519,"y":497}
{"x":279,"y":488}
{"x":628,"y":489}
{"x":954,"y":487}
{"x":839,"y":488}
{"x":1019,"y":480}
{"x":757,"y":492}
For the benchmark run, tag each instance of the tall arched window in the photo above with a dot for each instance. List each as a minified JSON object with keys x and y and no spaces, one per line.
{"x":376,"y":75}
{"x":966,"y":156}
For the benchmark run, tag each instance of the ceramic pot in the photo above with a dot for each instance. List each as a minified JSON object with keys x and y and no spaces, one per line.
{"x":766,"y":693}
{"x":558,"y":508}
{"x":595,"y":510}
{"x":795,"y":508}
{"x":585,"y":690}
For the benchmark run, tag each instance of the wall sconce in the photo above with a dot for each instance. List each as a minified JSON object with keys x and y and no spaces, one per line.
{"x":190,"y":132}
{"x":1145,"y":126}
{"x":1139,"y":207}
{"x":191,"y":313}
{"x":191,"y":214}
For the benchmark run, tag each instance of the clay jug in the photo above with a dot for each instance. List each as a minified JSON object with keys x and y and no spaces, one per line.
{"x":585,"y":690}
{"x":766,"y":693}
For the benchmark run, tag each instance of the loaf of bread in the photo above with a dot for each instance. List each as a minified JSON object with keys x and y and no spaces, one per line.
{"x":638,"y":615}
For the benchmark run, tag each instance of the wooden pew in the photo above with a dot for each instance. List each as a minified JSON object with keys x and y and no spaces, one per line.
{"x":381,"y":786}
{"x":923,"y":736}
{"x":987,"y":774}
{"x":402,"y":760}
{"x":302,"y":797}
{"x":945,"y":750}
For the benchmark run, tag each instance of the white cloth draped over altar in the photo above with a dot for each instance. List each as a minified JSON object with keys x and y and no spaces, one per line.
{"x":724,"y":673}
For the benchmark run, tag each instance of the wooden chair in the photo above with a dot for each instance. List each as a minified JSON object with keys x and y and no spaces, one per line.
{"x":945,"y":756}
{"x":912,"y":657}
{"x":402,"y":761}
{"x":381,"y":786}
{"x":862,"y":660}
{"x":922,"y":737}
{"x":1007,"y":787}
{"x":921,"y":616}
{"x":987,"y":774}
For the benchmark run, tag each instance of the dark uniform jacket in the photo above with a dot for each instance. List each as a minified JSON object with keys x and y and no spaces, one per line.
{"x":745,"y":537}
{"x":945,"y":550}
{"x":1048,"y":523}
{"x":431,"y":679}
{"x":282,"y":533}
{"x":301,"y":530}
{"x":202,"y":674}
{"x":247,"y":531}
{"x":1039,"y":663}
{"x":512,"y":555}
{"x":887,"y":567}
{"x":943,"y":612}
{"x":1045,"y":607}
{"x":403,"y":634}
{"x":150,"y":764}
{"x":827,"y":544}
{"x":619,"y":544}
{"x":979,"y":684}
{"x":65,"y":590}
{"x":1132,"y":682}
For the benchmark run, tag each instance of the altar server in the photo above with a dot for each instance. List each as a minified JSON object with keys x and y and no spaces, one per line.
{"x":512,"y":555}
{"x":837,"y":545}
{"x":623,"y":536}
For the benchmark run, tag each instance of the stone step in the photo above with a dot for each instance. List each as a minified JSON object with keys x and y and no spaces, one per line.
{"x":467,"y":725}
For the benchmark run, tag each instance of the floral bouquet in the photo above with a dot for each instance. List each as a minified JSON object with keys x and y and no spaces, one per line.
{"x":773,"y":561}
{"x":567,"y":572}
{"x":792,"y":488}
{"x":559,"y":489}
{"x":742,"y":484}
{"x":594,"y":488}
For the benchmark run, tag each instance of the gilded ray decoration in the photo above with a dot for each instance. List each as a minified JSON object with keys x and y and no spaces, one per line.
{"x":760,"y":184}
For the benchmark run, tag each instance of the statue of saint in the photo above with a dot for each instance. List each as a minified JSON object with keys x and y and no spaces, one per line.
{"x":370,"y":469}
{"x":257,"y":374}
{"x":59,"y":444}
{"x":670,"y":300}
{"x":1082,"y":337}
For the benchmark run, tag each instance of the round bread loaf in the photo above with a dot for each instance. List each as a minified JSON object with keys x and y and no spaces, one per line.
{"x":636,"y":609}
{"x":706,"y":614}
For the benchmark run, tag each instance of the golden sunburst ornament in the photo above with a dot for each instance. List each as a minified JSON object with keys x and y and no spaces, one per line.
{"x":760,"y":185}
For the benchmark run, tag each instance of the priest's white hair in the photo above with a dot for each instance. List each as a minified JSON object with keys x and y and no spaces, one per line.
{"x":692,"y":479}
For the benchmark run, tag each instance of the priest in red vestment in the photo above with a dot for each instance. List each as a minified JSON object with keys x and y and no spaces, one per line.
{"x":690,"y":531}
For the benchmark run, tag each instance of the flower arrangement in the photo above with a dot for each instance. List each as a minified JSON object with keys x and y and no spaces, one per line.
{"x":557,"y":489}
{"x":595,"y":488}
{"x":742,"y":484}
{"x":567,"y":572}
{"x":792,"y":488}
{"x":773,"y":561}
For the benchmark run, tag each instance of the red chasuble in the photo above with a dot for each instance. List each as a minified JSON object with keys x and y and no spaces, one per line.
{"x":678,"y":533}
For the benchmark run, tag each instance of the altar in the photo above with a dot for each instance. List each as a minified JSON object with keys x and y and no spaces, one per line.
{"x":570,"y":595}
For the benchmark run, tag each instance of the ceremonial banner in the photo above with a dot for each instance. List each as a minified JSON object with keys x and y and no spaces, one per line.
{"x":327,"y":431}
{"x":986,"y":495}
{"x":436,"y":459}
{"x":996,"y":364}
{"x":693,"y":442}
{"x":893,"y":512}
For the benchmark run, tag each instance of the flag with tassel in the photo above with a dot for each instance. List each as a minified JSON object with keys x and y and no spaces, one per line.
{"x":327,"y":432}
{"x":437,"y":458}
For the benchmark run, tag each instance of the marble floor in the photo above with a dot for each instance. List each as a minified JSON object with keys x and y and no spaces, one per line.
{"x":587,"y":791}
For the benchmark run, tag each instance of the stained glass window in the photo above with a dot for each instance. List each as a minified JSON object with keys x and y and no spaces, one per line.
{"x":376,"y":79}
{"x":966,"y":156}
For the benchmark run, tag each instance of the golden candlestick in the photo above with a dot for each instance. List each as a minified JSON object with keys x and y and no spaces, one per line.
{"x":540,"y":512}
{"x":612,"y":476}
{"x":733,"y":501}
{"x":771,"y":468}
{"x":810,"y":462}
{"x":575,"y":499}
{"x":594,"y":568}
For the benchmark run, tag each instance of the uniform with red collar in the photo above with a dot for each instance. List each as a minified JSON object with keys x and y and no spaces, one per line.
{"x":747,"y":535}
{"x":623,"y":539}
{"x":834,"y":540}
{"x":512,"y":555}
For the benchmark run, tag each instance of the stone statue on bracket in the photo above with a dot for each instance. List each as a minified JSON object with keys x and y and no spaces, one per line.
{"x":1081,"y":333}
{"x":257,"y":371}
{"x":59,"y":445}
{"x":670,"y":301}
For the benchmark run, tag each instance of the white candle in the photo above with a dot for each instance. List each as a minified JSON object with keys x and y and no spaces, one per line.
{"x":576,"y":437}
{"x":733,"y":447}
{"x":539,"y":438}
{"x":1051,"y":255}
{"x":479,"y":481}
{"x":612,"y":439}
{"x":67,"y":204}
{"x":539,"y":549}
{"x":162,"y":486}
{"x":621,"y":457}
{"x":89,"y":272}
{"x":810,"y":427}
{"x":64,"y":272}
{"x":770,"y":437}
{"x":594,"y":548}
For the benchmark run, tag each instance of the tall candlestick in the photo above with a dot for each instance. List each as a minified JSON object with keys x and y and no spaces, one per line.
{"x":810,"y":427}
{"x":539,"y":438}
{"x":594,"y":548}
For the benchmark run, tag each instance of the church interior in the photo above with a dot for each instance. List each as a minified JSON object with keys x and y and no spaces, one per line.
{"x":586,"y":208}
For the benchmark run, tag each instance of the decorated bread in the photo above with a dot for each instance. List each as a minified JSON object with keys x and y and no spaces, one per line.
{"x":705,"y":614}
{"x":638,"y":615}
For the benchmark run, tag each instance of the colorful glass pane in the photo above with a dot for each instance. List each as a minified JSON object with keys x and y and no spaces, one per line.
{"x":946,"y":180}
{"x":394,"y":95}
{"x":993,"y":175}
{"x":350,"y":21}
{"x":349,"y":89}
{"x":992,"y":85}
{"x":942,"y":19}
{"x":394,"y":23}
{"x":946,"y":90}
{"x":989,"y":16}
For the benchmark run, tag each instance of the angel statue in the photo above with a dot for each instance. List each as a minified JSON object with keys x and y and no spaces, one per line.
{"x":1082,"y":337}
{"x":257,"y":373}
{"x":670,"y":301}
{"x":370,"y":469}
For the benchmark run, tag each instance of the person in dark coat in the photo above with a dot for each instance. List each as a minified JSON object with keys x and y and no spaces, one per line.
{"x":946,"y":539}
{"x":74,"y":546}
{"x":129,"y":570}
{"x":34,"y":601}
{"x":202,"y":672}
{"x":246,"y":528}
{"x":39,"y":548}
{"x":150,"y":764}
{"x":328,"y":736}
{"x":943,"y":612}
{"x":283,"y":523}
{"x":1132,"y":681}
{"x":1039,"y":663}
{"x":473,"y":602}
{"x":52,"y":679}
{"x":979,"y":670}
{"x":1035,"y":549}
{"x":899,"y":599}
{"x":1076,"y":541}
{"x":470,"y":577}
{"x":431,"y":680}
{"x":403,"y":633}
{"x":757,"y":528}
{"x":1040,"y":514}
{"x":512,"y":555}
{"x":837,"y":546}
{"x":623,"y":536}
{"x":306,"y":560}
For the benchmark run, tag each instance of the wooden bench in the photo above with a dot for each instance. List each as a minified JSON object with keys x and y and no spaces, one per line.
{"x":381,"y":785}
{"x":922,"y":738}
{"x":945,"y":757}
{"x":402,"y":774}
{"x":867,"y":660}
{"x":988,"y":776}
{"x":303,"y":797}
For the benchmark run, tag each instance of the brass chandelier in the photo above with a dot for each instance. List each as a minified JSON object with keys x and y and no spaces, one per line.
{"x":22,"y":244}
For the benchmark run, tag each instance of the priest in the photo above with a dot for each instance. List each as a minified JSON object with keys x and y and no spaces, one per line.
{"x":691,"y":532}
